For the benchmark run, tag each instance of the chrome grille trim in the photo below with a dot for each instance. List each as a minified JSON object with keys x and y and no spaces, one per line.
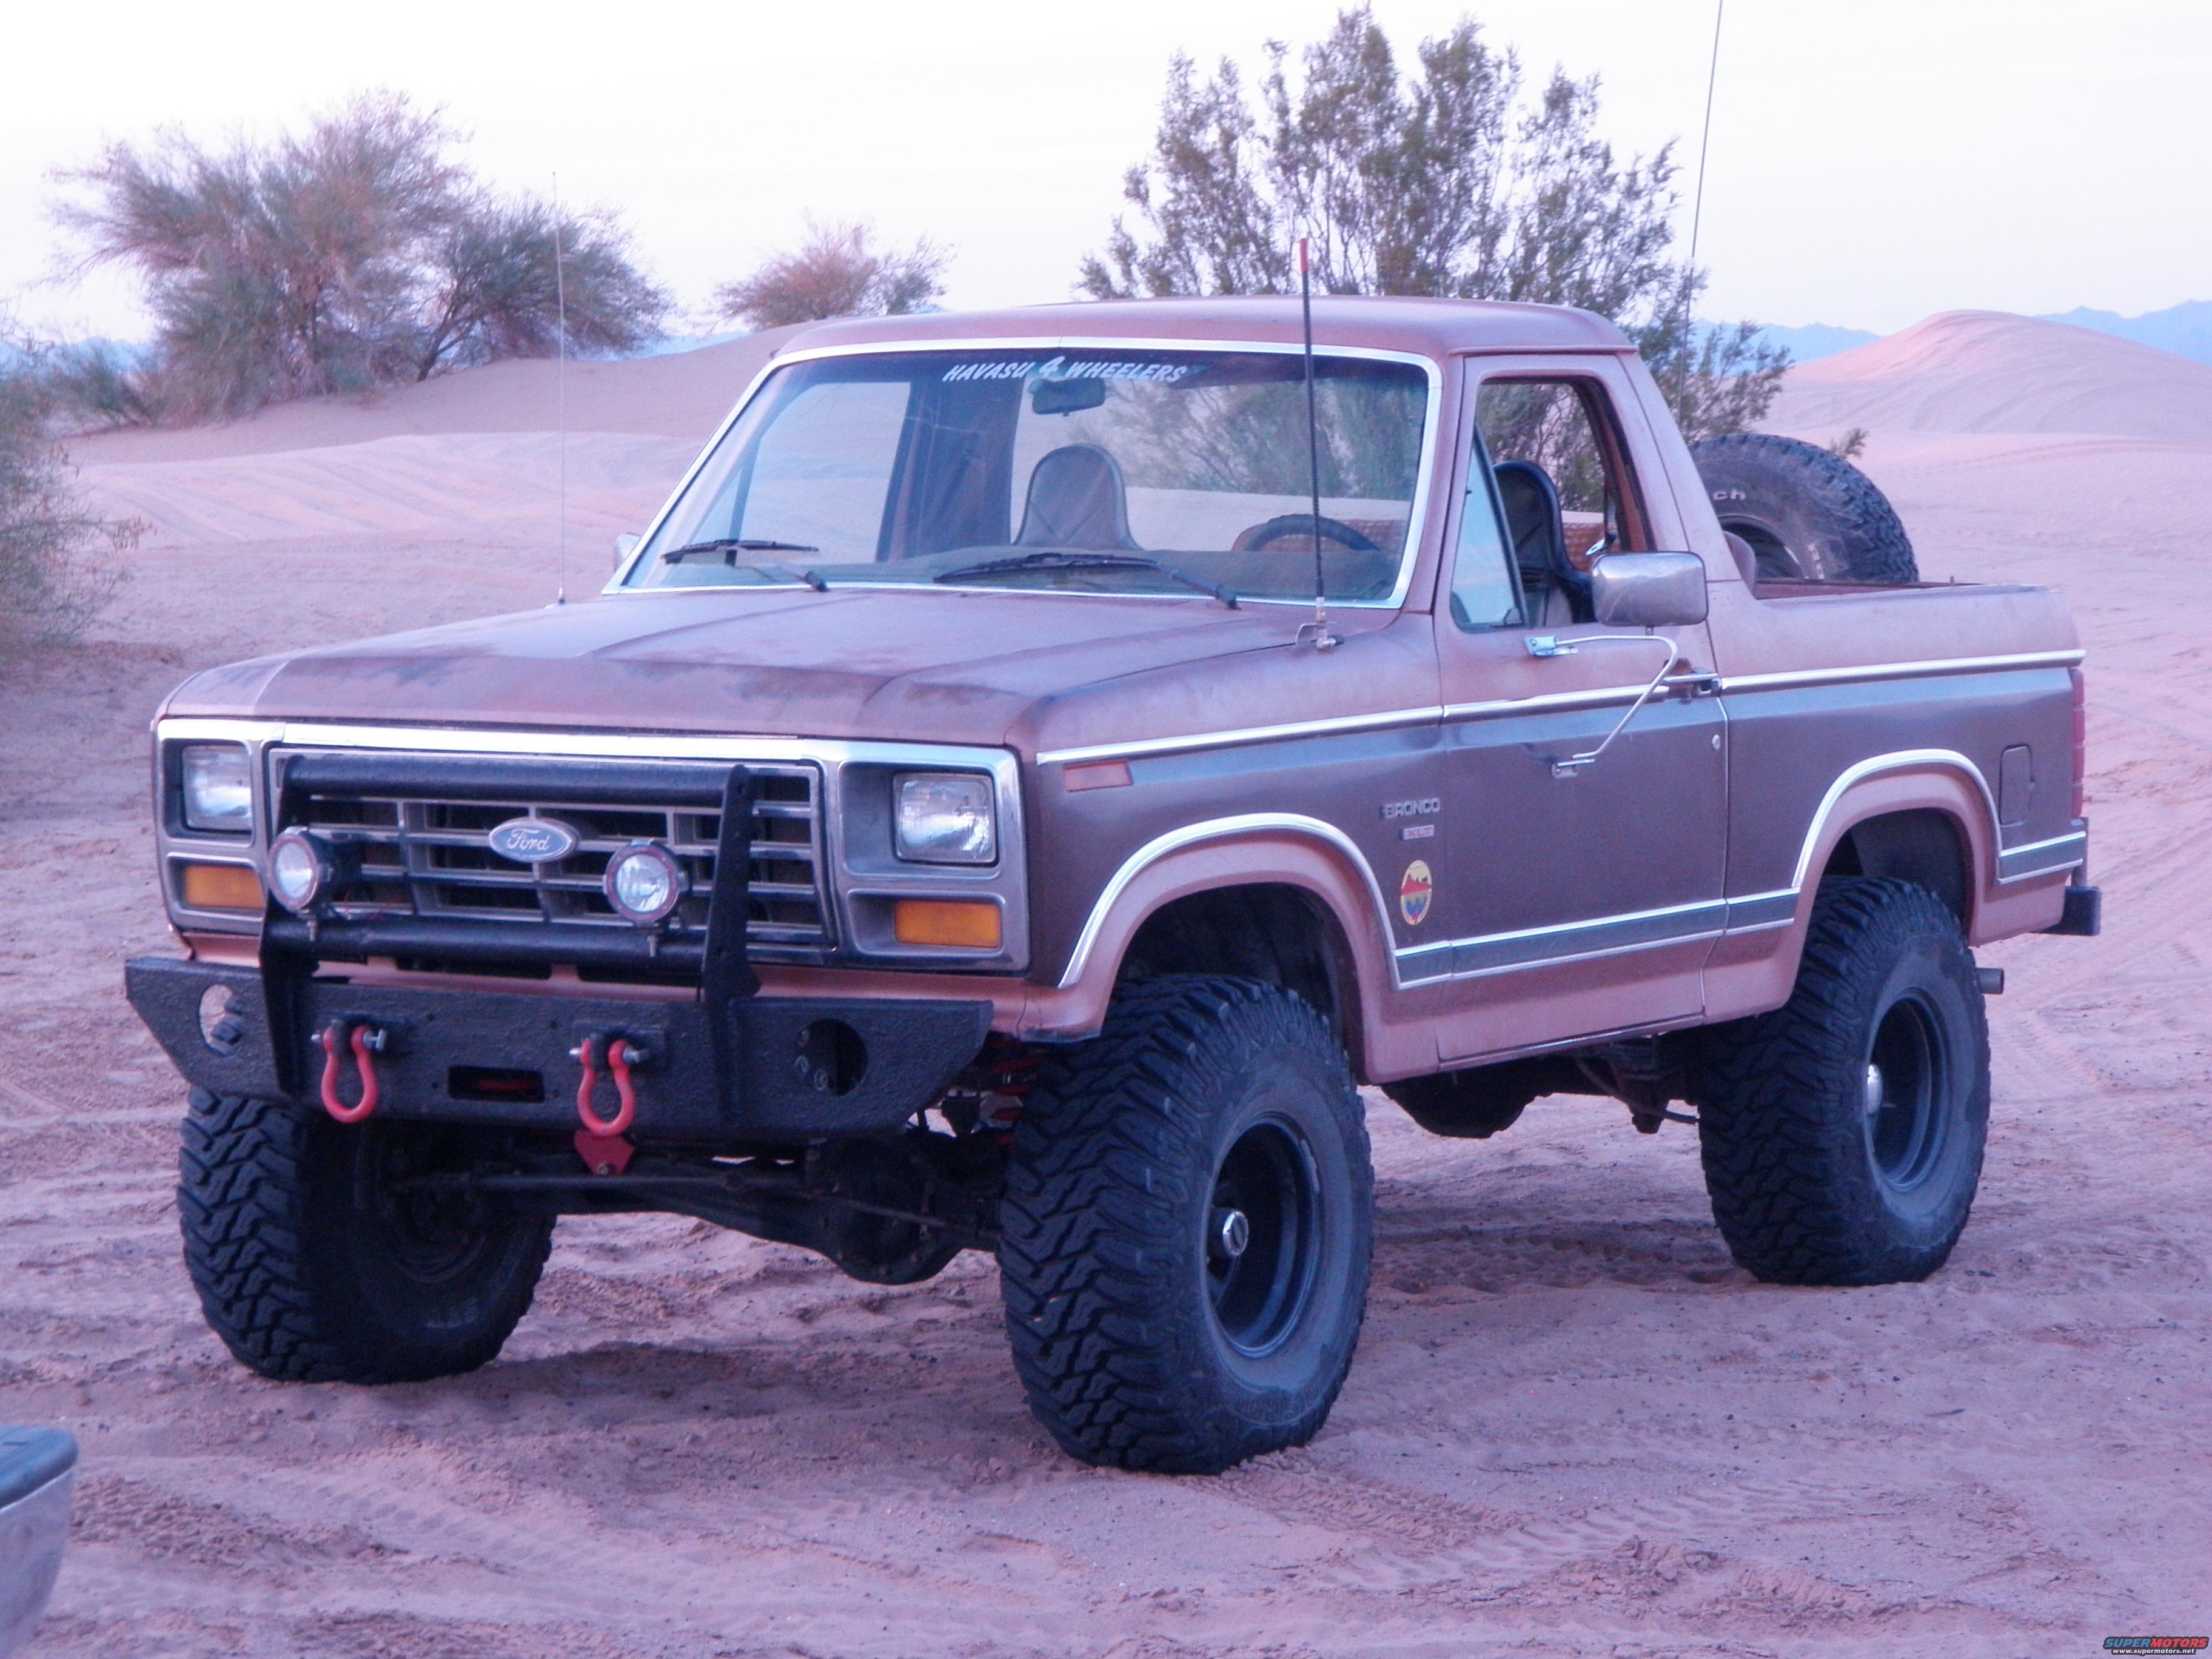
{"x":425,"y":854}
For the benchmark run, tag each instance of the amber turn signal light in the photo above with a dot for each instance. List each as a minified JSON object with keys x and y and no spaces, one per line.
{"x":221,"y":887}
{"x":965,"y":924}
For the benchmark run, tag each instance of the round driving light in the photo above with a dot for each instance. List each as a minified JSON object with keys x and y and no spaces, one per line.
{"x":644,"y":882}
{"x":299,"y":870}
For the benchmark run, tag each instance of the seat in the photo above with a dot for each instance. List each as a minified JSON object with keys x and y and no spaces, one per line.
{"x":1077,"y":499}
{"x":1556,"y":593}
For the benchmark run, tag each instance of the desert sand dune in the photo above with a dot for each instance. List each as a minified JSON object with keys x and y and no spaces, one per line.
{"x":1986,"y":370}
{"x":1574,"y":1428}
{"x":683,"y":395}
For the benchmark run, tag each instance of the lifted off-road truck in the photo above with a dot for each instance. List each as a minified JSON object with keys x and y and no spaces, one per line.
{"x":956,"y":827}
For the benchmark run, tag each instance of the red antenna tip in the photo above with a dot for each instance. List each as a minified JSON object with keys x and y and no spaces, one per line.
{"x":1302,"y":266}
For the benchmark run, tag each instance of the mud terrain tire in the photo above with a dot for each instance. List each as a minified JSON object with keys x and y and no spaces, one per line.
{"x":1842,"y":1135}
{"x":310,"y":1269}
{"x":1807,"y":514}
{"x":1143,"y":1338}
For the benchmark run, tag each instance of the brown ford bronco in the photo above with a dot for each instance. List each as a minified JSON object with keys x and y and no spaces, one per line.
{"x":955,"y":827}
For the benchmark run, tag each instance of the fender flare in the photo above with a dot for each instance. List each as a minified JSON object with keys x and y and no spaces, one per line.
{"x":1249,"y":849}
{"x":1941,"y":780}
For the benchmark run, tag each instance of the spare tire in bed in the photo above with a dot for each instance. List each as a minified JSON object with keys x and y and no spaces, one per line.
{"x":1807,"y":514}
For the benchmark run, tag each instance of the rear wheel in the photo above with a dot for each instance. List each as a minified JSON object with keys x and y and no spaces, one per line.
{"x":1842,"y":1135}
{"x":317,"y":1260}
{"x":1807,"y":514}
{"x":1187,"y":1229}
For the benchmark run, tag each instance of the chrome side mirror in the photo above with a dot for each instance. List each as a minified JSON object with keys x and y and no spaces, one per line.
{"x":1649,"y":590}
{"x":624,"y":546}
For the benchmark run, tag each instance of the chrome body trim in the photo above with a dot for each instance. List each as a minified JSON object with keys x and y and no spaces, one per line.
{"x":2044,"y":857}
{"x":1213,"y":829}
{"x":1596,"y":697}
{"x":1416,"y":514}
{"x":1900,"y":671}
{"x":1481,"y":956}
{"x":1230,"y":740}
{"x":1901,"y":760}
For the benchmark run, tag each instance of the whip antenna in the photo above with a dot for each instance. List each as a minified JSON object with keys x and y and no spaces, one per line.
{"x":1705,"y":141}
{"x":1322,"y":639}
{"x":561,"y":388}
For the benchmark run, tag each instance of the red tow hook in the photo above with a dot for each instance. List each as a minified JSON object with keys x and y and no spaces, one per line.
{"x":365,"y":1041}
{"x":600,"y":1142}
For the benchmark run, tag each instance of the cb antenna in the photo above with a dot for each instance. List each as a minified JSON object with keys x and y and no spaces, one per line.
{"x":1705,"y":140}
{"x":561,"y":388}
{"x":1322,"y":639}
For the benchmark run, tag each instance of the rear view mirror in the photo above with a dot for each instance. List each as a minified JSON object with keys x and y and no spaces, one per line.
{"x":624,"y":546}
{"x":1067,"y":397}
{"x":1649,"y":590}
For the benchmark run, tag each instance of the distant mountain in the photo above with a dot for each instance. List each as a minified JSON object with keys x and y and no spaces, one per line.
{"x":1815,"y":340}
{"x":2184,"y":330}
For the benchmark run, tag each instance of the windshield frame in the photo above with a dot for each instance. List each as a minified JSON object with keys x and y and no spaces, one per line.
{"x":1417,"y":512}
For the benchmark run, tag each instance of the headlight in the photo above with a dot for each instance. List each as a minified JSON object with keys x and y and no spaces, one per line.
{"x":644,"y":882}
{"x":946,"y":818}
{"x":218,"y":787}
{"x":300,"y":870}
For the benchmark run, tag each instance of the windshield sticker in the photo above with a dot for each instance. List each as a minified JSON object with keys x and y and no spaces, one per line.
{"x":1058,"y":368}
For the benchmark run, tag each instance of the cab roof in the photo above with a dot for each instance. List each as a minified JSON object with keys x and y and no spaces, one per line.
{"x":1429,"y":328}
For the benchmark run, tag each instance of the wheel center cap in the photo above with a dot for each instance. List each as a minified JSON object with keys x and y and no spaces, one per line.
{"x":1874,"y":1091}
{"x":1232,"y":1234}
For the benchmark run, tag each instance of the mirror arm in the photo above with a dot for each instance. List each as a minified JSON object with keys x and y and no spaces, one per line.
{"x":1572,"y":764}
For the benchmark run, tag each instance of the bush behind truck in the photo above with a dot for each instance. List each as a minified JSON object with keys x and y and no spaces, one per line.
{"x":955,"y":830}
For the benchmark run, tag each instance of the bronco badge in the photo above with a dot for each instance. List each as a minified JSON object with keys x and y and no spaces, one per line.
{"x":533,"y":841}
{"x":1413,"y":892}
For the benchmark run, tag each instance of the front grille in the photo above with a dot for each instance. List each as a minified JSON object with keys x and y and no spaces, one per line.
{"x":425,"y":854}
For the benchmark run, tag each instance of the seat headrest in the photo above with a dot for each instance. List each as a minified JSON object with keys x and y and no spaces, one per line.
{"x":1077,"y":499}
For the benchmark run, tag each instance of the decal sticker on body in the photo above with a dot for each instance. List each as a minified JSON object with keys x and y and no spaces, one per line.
{"x":1415,"y":889}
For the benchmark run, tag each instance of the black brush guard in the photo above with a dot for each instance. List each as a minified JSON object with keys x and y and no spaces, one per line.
{"x":726,"y":1066}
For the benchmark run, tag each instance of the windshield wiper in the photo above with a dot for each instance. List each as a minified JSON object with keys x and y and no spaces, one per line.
{"x":730,"y":546}
{"x":1059,"y":560}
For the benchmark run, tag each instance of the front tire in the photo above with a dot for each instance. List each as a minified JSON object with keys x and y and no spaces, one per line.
{"x":1186,"y":1229}
{"x":1841,"y":1134}
{"x":314,"y":1264}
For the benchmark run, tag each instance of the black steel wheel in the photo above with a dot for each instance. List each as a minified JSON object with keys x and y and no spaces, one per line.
{"x":1842,"y":1135}
{"x":318,"y":1256}
{"x":1187,"y":1229}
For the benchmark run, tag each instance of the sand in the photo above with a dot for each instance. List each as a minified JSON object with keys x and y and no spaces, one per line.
{"x":1573,"y":1427}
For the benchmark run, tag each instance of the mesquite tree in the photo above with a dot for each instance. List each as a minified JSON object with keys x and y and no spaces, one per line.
{"x":1449,"y":181}
{"x":352,"y":255}
{"x":838,"y":270}
{"x":57,"y":559}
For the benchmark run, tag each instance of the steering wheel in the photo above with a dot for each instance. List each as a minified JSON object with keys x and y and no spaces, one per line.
{"x":1293,"y":532}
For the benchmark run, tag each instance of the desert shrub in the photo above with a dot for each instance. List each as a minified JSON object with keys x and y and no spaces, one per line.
{"x":349,"y":256}
{"x":839,"y":270}
{"x":1449,"y":182}
{"x":56,"y":560}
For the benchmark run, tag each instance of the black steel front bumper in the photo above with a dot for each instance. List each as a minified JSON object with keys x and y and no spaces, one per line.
{"x":778,"y":1068}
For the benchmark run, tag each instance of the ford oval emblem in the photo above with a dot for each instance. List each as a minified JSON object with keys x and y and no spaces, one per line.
{"x":533,"y":841}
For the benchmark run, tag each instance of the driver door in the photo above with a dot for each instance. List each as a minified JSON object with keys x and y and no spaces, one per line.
{"x":1582,"y":899}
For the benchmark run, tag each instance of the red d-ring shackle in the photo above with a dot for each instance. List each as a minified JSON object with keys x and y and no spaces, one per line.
{"x":364,"y":1056}
{"x":617,"y":1062}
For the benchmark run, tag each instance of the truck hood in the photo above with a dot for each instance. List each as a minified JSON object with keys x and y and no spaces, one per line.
{"x":949,"y":667}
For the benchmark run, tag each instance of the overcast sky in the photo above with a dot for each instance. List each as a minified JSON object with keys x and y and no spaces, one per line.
{"x":1872,"y":161}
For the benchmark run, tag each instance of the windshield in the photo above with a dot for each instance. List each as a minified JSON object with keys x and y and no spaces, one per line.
{"x":1142,"y":471}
